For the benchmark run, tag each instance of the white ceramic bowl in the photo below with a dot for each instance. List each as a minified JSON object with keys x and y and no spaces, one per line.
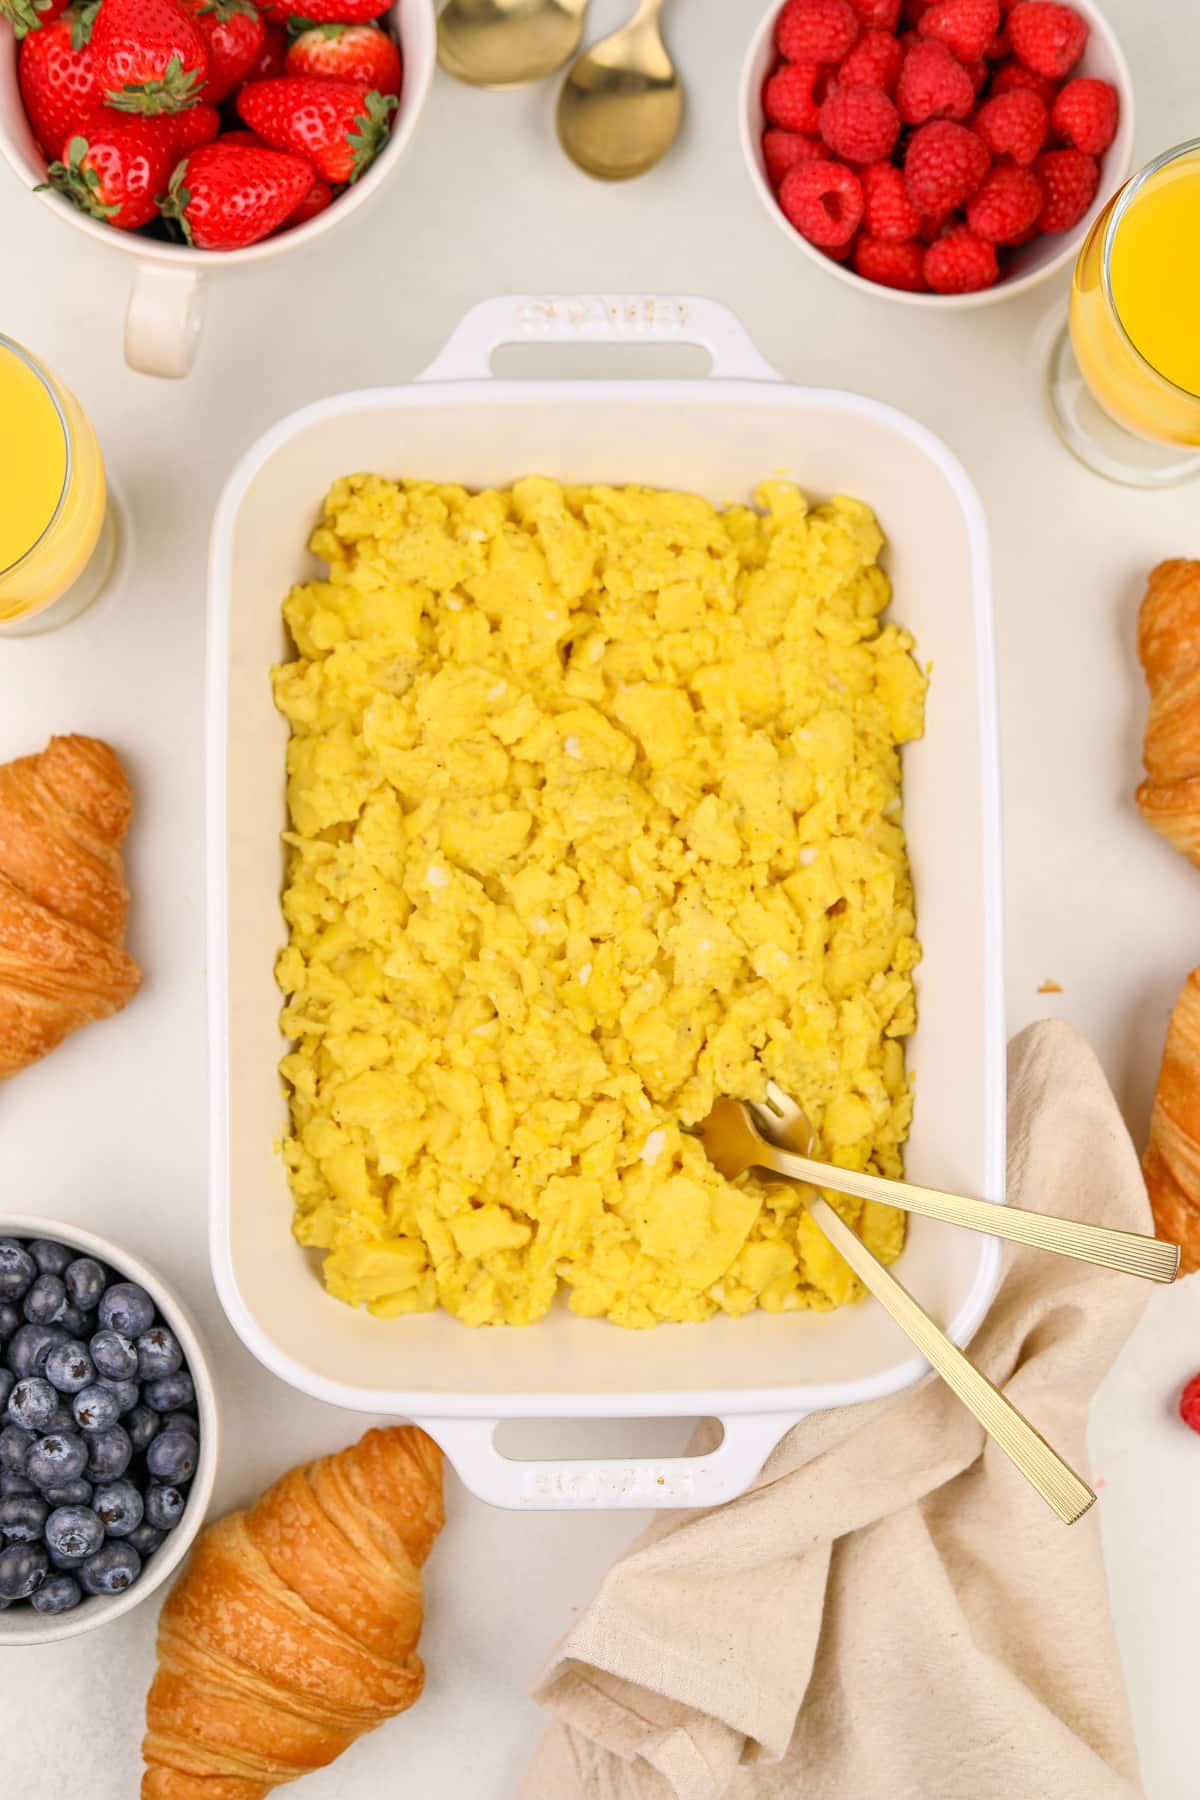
{"x":20,"y":1624}
{"x":1024,"y":267}
{"x":166,"y":302}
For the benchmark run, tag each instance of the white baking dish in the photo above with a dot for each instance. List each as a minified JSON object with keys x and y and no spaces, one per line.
{"x":718,"y":436}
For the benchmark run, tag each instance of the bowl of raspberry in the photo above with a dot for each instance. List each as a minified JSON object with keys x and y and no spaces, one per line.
{"x":108,"y":1431}
{"x":940,"y":151}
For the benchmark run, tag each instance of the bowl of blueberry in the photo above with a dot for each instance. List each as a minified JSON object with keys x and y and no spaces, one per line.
{"x":108,"y":1431}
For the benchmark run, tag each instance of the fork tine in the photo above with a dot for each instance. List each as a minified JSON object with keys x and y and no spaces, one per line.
{"x":776,"y":1100}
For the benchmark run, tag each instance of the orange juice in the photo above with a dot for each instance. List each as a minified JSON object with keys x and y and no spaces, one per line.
{"x":1135,"y":302}
{"x":52,"y":492}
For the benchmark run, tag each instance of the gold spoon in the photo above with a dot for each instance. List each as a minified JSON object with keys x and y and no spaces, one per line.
{"x":1027,"y":1449}
{"x":502,"y":43}
{"x":738,"y":1137}
{"x":621,"y":102}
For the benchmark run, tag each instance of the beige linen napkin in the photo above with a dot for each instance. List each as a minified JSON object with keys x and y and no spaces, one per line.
{"x":890,"y":1611}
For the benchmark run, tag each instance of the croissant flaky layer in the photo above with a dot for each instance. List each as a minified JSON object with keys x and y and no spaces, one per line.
{"x":63,"y":899}
{"x":294,"y":1627}
{"x":1169,"y":651}
{"x":1172,"y":1161}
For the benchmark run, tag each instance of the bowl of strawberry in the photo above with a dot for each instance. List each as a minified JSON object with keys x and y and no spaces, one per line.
{"x":940,"y":151}
{"x":194,"y":134}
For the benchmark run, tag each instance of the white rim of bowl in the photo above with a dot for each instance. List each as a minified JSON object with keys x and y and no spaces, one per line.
{"x":100,"y":1609}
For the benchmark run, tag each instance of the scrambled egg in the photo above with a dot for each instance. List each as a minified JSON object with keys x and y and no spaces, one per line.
{"x":595,"y":811}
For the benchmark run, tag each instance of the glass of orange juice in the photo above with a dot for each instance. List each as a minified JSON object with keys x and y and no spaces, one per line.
{"x":57,"y":530}
{"x":1124,"y":379}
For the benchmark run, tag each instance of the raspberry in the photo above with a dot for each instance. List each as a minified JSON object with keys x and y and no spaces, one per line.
{"x":838,"y":253}
{"x":792,"y":96}
{"x":1070,"y":180}
{"x":1013,"y":125}
{"x":933,"y":86}
{"x":816,"y":30}
{"x":966,"y":27}
{"x":931,"y":229}
{"x":1047,"y":38}
{"x":1007,"y":205}
{"x":944,"y":166}
{"x":782,"y":150}
{"x":1085,"y":115}
{"x":892,"y":265}
{"x":859,"y":123}
{"x":1000,"y":47}
{"x":889,"y":215}
{"x":1189,"y":1403}
{"x":960,"y":263}
{"x":1014,"y":77}
{"x":977,"y":69}
{"x":824,"y":201}
{"x":911,"y":10}
{"x":883,"y":14}
{"x":875,"y":60}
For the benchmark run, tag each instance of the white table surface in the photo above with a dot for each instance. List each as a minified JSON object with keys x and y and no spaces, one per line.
{"x":113,"y":1127}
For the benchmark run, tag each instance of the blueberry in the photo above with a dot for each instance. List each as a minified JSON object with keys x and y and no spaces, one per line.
{"x":180,"y":1421}
{"x":111,"y":1570}
{"x":109,"y":1454}
{"x":85,"y":1282}
{"x":22,"y":1517}
{"x":114,"y":1355}
{"x":46,"y":1301}
{"x":95,"y":1408}
{"x":8,"y":1382}
{"x":71,"y":1493}
{"x":77,"y":1323}
{"x":22,"y":1570}
{"x":74,"y":1532}
{"x":142,"y":1425}
{"x":15,"y":1445}
{"x":57,"y":1458}
{"x":172,"y":1456}
{"x":126,"y":1393}
{"x":158,"y":1353}
{"x":69,"y":1368}
{"x":51,"y":1258}
{"x":63,"y":1420}
{"x":17,"y":1270}
{"x":32,"y":1403}
{"x":57,"y":1594}
{"x":164,"y":1506}
{"x":29,"y":1347}
{"x":14,"y":1484}
{"x":127,"y":1308}
{"x":10,"y":1318}
{"x":119,"y":1508}
{"x":170,"y":1392}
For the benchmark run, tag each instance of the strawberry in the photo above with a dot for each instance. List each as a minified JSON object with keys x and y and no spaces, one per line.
{"x":325,"y":12}
{"x":362,"y":53}
{"x":150,"y":56}
{"x":194,"y":126}
{"x":340,"y":126}
{"x":114,"y":166}
{"x":30,"y":15}
{"x":318,"y":197}
{"x":234,"y":36}
{"x":244,"y":137}
{"x":226,"y":196}
{"x":272,"y":58}
{"x":57,"y":76}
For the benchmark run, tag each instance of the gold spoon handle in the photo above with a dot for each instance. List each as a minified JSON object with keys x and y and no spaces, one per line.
{"x":1127,"y":1251}
{"x":1041,"y":1465}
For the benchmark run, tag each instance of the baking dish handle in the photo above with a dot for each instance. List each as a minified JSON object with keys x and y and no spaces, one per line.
{"x":598,"y":319}
{"x":708,"y":1480}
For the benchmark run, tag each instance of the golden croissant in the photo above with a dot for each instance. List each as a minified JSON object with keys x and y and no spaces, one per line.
{"x":63,"y":899}
{"x":1171,"y":1164}
{"x":1169,"y":650}
{"x":294,"y":1626}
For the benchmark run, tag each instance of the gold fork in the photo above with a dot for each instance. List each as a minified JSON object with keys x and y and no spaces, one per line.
{"x":1037,"y":1460}
{"x":740,"y":1136}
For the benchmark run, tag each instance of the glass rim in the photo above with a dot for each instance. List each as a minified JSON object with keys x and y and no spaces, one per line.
{"x":1124,"y":199}
{"x":34,"y":366}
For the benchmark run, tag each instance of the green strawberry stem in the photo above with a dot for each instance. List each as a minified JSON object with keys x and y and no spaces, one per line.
{"x":82,"y":19}
{"x":79,"y":185}
{"x":371,"y":130}
{"x":23,"y":15}
{"x":173,"y":92}
{"x":177,"y":198}
{"x":225,"y":9}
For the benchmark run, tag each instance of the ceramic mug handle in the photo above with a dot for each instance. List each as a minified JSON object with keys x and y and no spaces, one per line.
{"x":163,"y":320}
